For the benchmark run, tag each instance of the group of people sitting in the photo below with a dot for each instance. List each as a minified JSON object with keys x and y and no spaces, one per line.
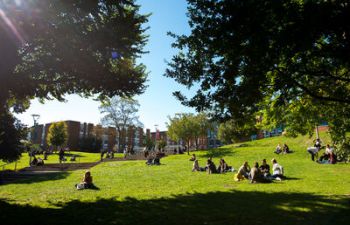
{"x":260,"y":174}
{"x":37,"y":161}
{"x":285,"y":149}
{"x":153,"y":158}
{"x":210,"y":167}
{"x":328,"y":157}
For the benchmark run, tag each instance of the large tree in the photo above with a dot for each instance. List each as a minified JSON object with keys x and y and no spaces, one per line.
{"x":232,"y":131}
{"x":51,"y":48}
{"x":120,"y":113}
{"x":188,"y":127}
{"x":245,"y":53}
{"x":239,"y":51}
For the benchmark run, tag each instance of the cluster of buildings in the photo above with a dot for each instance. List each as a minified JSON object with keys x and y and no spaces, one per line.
{"x":132,"y":137}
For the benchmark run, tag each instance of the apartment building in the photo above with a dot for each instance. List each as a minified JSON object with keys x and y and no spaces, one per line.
{"x":132,"y":137}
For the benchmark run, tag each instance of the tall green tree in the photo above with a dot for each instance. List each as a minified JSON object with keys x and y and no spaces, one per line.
{"x":58,"y":134}
{"x":232,"y":131}
{"x":188,"y":127}
{"x":11,"y":133}
{"x":201,"y":125}
{"x":180,"y":128}
{"x":52,"y":48}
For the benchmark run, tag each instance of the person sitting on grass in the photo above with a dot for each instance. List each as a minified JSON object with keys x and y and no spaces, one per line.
{"x":86,"y":182}
{"x":193,"y":158}
{"x":327,"y":153}
{"x":243,"y":172}
{"x":328,"y":156}
{"x":278,"y":149}
{"x":40,"y":162}
{"x":156,"y":160}
{"x":196,"y":167}
{"x":223,"y":167}
{"x":255,"y":175}
{"x":265,"y":168}
{"x":277,"y":170}
{"x":34,"y":162}
{"x":150,"y":159}
{"x":286,"y":149}
{"x":211,"y":168}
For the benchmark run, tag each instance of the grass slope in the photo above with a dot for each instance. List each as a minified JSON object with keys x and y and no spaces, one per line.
{"x":53,"y":158}
{"x":132,"y":193}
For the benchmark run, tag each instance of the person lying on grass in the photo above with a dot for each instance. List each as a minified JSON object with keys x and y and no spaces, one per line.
{"x":243,"y":172}
{"x":277,"y":170}
{"x":223,"y":167}
{"x":86,"y":182}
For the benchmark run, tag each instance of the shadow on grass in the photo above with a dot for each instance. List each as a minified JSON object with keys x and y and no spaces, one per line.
{"x":251,"y":208}
{"x":18,"y":178}
{"x":219,"y":152}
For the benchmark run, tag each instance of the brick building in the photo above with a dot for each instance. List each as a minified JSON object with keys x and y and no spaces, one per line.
{"x":132,"y":137}
{"x":205,"y":142}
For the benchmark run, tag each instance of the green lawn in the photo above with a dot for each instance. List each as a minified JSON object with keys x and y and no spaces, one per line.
{"x":53,"y":158}
{"x":132,"y":193}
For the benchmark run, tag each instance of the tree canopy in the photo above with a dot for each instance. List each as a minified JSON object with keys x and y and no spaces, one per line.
{"x":57,"y":134}
{"x":242,"y":51}
{"x":52,"y":48}
{"x":187,"y":127}
{"x":288,"y":60}
{"x":232,"y":131}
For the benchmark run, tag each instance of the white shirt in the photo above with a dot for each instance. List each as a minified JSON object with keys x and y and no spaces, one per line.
{"x":329,"y":150}
{"x":277,"y":169}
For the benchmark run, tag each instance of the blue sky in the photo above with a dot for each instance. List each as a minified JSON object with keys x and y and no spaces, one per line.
{"x":157,"y":103}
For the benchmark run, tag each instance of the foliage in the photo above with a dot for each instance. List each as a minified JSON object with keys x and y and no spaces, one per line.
{"x":148,"y":143}
{"x":301,"y":117}
{"x":265,"y":55}
{"x":86,"y":47}
{"x":180,"y":127}
{"x":201,"y":126}
{"x":120,"y":113}
{"x":232,"y":131}
{"x":57,"y":134}
{"x":90,"y":144}
{"x":187,"y":127}
{"x":52,"y":48}
{"x":268,"y":67}
{"x":161,"y":144}
{"x":11,"y":134}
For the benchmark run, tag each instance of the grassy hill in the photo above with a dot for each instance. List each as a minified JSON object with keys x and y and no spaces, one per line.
{"x":53,"y":158}
{"x":132,"y":193}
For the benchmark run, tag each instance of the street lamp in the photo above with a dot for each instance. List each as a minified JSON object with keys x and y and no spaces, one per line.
{"x":35,"y":119}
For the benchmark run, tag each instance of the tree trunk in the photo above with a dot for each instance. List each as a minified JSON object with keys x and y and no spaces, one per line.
{"x":188,"y":147}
